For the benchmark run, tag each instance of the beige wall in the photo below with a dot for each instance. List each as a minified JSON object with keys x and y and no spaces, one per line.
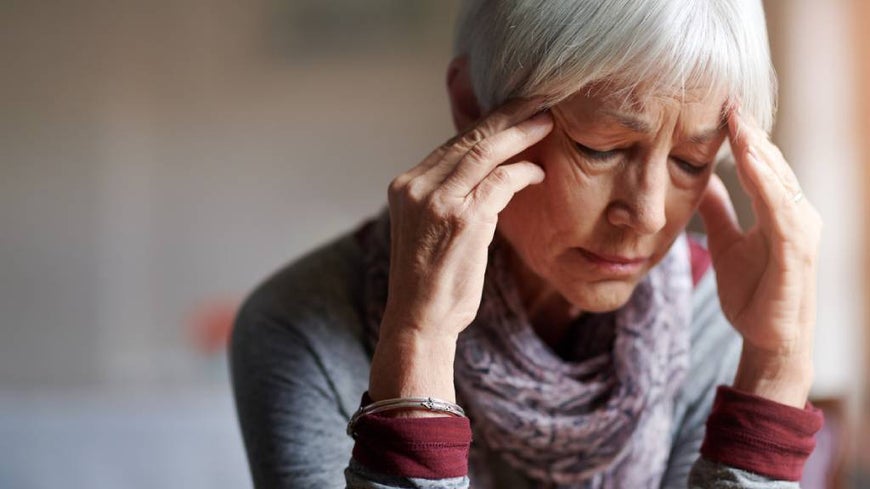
{"x":818,"y":115}
{"x":158,"y":154}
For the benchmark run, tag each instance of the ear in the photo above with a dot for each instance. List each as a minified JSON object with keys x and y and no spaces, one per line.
{"x":463,"y":102}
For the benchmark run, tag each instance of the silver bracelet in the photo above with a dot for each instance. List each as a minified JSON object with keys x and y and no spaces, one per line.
{"x":428,"y":403}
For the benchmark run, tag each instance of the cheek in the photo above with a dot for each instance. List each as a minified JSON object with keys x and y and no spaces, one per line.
{"x":541,"y":218}
{"x":684,"y":201}
{"x":681,"y":207}
{"x":574,"y":194}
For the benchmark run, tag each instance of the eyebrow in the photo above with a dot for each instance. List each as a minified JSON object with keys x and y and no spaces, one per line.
{"x":628,"y":121}
{"x":637,"y":124}
{"x":707,"y":135}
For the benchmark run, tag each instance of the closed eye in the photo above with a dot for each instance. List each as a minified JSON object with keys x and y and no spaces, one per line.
{"x":691,"y":169}
{"x":595,"y":154}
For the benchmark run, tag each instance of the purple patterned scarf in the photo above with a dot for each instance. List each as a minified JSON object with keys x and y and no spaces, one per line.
{"x":601,"y":422}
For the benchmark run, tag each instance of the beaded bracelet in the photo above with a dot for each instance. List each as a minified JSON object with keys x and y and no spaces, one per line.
{"x":428,"y":403}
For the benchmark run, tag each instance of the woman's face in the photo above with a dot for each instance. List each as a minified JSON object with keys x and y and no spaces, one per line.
{"x":621,"y":184}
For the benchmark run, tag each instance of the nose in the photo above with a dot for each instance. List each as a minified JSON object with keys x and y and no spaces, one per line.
{"x":641,"y":196}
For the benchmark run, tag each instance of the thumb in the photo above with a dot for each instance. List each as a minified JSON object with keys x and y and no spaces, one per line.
{"x":720,"y":220}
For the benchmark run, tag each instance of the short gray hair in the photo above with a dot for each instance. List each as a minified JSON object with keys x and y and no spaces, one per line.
{"x":523,"y":48}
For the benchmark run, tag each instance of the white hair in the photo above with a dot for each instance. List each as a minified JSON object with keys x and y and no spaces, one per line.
{"x":553,"y":48}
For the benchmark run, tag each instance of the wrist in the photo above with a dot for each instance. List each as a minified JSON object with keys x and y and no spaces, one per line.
{"x":407,"y":363}
{"x":785,"y":378}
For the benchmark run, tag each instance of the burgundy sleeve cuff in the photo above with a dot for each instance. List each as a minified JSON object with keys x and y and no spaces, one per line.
{"x":759,"y":435}
{"x":429,"y":448}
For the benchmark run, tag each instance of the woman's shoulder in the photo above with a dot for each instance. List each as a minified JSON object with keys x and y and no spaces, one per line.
{"x":322,"y":282}
{"x":310,"y":308}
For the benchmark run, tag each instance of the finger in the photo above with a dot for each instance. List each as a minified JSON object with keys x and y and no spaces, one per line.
{"x":433,"y":159}
{"x":508,"y":115}
{"x":752,"y":136}
{"x":741,"y":133}
{"x":444,"y":159}
{"x":495,"y":191}
{"x":739,"y":141}
{"x":772,"y":155}
{"x":742,"y":139}
{"x":780,"y":211}
{"x":486,"y":155}
{"x":720,"y":220}
{"x":746,"y":138}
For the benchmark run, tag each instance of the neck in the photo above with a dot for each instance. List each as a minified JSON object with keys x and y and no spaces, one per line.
{"x":547,"y":310}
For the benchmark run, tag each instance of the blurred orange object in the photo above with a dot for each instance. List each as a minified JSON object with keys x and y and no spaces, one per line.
{"x":211,"y":323}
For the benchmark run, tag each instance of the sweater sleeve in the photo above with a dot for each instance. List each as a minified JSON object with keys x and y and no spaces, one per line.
{"x":760,"y":435}
{"x":426,"y":453}
{"x":292,"y":426}
{"x":751,"y":443}
{"x":298,"y":367}
{"x":712,"y":475}
{"x":714,"y":358}
{"x":754,"y":443}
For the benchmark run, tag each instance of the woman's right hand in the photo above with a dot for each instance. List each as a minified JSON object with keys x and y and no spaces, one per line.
{"x":443,"y":215}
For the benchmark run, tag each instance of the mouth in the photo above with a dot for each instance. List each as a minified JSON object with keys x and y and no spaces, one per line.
{"x":614,"y":264}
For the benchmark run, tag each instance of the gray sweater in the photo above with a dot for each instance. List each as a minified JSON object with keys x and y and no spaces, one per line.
{"x":299,"y":366}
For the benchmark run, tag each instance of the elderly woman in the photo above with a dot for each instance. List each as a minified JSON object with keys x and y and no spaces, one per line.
{"x":532,"y":287}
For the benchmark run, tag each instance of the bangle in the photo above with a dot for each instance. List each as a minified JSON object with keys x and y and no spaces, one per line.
{"x":428,"y":403}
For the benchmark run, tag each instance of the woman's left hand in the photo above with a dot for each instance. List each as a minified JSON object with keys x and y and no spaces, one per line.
{"x":767,"y":275}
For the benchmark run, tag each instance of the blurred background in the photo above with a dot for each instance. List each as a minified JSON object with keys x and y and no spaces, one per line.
{"x":159,"y":159}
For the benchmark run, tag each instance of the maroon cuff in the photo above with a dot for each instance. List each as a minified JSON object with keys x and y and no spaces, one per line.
{"x":429,"y":448}
{"x":759,"y":435}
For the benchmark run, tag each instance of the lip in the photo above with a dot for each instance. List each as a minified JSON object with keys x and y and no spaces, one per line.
{"x":614,"y":264}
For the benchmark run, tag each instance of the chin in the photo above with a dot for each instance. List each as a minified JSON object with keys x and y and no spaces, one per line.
{"x":603,"y":296}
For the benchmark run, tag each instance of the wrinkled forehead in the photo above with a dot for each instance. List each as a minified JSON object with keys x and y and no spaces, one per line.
{"x":639,"y":98}
{"x":640,"y":108}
